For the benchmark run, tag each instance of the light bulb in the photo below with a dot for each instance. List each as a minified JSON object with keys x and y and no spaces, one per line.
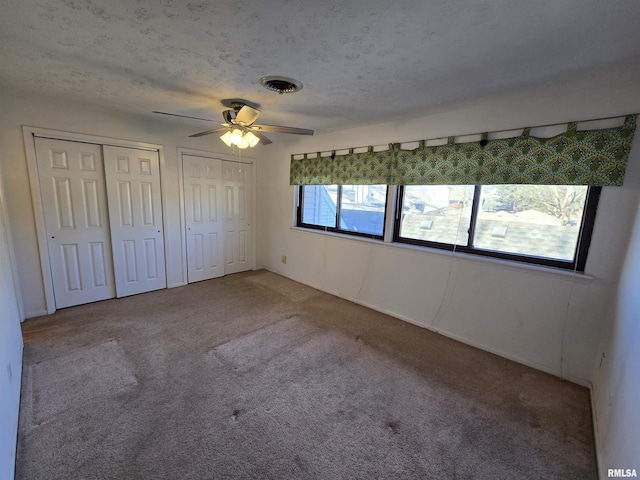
{"x":236,"y":136}
{"x":243,"y":144}
{"x":251,"y":139}
{"x":226,"y":138}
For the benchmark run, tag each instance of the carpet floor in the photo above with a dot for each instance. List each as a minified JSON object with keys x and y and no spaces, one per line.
{"x":254,"y":376}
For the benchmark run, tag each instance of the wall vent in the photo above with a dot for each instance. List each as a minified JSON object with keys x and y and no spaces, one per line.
{"x":280,"y":85}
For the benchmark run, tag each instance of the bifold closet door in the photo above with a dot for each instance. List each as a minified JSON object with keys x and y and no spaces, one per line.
{"x":204,"y":218}
{"x":135,"y":218}
{"x":238,"y":238}
{"x":74,"y":203}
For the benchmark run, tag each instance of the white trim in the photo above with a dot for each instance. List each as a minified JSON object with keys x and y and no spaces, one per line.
{"x":29,"y":134}
{"x":254,"y":213}
{"x":217,"y":156}
{"x":45,"y":265}
{"x":183,"y":221}
{"x":182,"y":217}
{"x":37,"y":313}
{"x":164,"y":201}
{"x":87,"y":138}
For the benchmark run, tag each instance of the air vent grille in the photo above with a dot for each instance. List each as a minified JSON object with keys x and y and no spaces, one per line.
{"x":281,"y":84}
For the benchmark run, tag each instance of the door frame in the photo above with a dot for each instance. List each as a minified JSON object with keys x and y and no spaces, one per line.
{"x":29,"y":134}
{"x":183,"y":217}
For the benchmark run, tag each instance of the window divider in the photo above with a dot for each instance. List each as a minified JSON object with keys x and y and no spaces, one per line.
{"x":474,"y":215}
{"x":338,"y":207}
{"x":390,"y":212}
{"x":398,"y":213}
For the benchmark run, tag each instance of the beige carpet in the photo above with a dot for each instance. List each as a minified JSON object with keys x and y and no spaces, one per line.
{"x":254,"y":376}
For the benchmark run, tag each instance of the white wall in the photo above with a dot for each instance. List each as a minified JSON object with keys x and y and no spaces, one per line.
{"x":17,"y":109}
{"x":549,"y":320}
{"x":10,"y":353}
{"x":616,"y":378}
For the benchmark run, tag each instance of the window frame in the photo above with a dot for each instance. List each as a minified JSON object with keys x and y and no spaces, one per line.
{"x":580,"y":253}
{"x":337,"y":229}
{"x":394,"y":204}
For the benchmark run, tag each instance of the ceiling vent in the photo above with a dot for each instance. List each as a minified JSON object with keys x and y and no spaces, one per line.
{"x":280,"y":84}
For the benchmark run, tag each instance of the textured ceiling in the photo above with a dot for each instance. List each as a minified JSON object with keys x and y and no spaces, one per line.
{"x":361,"y":62}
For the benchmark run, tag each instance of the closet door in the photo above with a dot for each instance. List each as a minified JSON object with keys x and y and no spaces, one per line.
{"x":204,"y":218}
{"x":76,"y":222}
{"x":238,"y":239}
{"x":135,"y":214}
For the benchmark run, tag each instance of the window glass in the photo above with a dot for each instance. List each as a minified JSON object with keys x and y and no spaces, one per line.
{"x":437,"y":213}
{"x":540,"y":224}
{"x":362,"y":208}
{"x":535,"y":220}
{"x":319,"y":205}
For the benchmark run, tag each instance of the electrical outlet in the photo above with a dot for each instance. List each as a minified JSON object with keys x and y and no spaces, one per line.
{"x":284,"y":259}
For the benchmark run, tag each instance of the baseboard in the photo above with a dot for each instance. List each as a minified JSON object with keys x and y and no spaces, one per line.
{"x":38,"y":313}
{"x":515,"y":358}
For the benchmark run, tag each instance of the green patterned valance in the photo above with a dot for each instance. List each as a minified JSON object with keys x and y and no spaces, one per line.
{"x":585,"y":157}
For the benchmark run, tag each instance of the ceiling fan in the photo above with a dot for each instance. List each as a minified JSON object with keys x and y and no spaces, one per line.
{"x":240,"y":129}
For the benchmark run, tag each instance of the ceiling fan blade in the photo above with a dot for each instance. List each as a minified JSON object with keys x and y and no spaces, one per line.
{"x":209,"y":132}
{"x":247,"y":115}
{"x":183,"y":116}
{"x":228,"y":116}
{"x":263,"y":139}
{"x":282,"y":129}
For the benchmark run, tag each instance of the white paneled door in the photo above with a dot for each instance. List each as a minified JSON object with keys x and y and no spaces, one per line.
{"x":72,"y":187}
{"x":238,"y":238}
{"x":135,"y":213}
{"x":204,"y":218}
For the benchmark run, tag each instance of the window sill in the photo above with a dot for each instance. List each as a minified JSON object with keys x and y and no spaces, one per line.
{"x":578,"y":277}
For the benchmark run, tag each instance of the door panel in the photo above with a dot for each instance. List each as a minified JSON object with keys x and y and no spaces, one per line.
{"x":91,"y":202}
{"x":74,"y":203}
{"x":125,"y":208}
{"x":133,"y":192}
{"x":97,"y":264}
{"x":238,"y":213}
{"x":202,"y":203}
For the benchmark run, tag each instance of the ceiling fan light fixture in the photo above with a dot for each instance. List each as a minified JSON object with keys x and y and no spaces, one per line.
{"x":236,"y":136}
{"x":251,"y":139}
{"x":239,"y":138}
{"x":226,"y":138}
{"x":240,"y":128}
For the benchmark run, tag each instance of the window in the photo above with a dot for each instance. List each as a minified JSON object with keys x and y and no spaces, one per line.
{"x":543,"y":224}
{"x":354,"y":209}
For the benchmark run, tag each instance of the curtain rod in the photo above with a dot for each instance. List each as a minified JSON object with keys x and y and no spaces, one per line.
{"x":470,"y":134}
